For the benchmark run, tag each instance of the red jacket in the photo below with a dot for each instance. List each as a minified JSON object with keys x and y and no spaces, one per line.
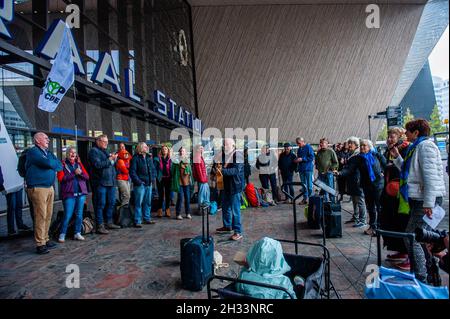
{"x":199,"y":170}
{"x":123,"y":166}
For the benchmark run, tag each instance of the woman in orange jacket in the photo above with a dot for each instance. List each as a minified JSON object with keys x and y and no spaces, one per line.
{"x":123,"y":177}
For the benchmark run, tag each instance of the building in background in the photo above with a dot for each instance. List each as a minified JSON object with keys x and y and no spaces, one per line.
{"x":441,"y":93}
{"x":420,"y":97}
{"x":127,"y":49}
{"x":149,"y":38}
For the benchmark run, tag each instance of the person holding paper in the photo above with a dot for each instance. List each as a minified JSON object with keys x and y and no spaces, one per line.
{"x":422,"y":185}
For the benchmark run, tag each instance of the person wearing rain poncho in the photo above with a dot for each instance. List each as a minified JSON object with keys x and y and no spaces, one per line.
{"x":266,"y":264}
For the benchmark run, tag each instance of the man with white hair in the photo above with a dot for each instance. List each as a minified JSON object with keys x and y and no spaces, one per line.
{"x":233,"y":181}
{"x":41,"y":167}
{"x":103,"y":180}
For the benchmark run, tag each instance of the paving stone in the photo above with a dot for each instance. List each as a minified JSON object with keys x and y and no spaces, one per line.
{"x":144,"y":263}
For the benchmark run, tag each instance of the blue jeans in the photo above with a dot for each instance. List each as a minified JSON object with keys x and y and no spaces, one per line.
{"x":184,"y":193}
{"x":14,"y":210}
{"x":288,"y":189}
{"x":142,"y":203}
{"x":105,"y":197}
{"x":327,"y":178}
{"x":231,"y":212}
{"x":203,"y":193}
{"x":307,"y":179}
{"x":71,"y":205}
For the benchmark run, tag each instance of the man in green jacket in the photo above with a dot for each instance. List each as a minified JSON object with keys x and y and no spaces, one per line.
{"x":326,"y":164}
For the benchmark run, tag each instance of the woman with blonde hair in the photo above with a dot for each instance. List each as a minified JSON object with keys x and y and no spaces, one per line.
{"x":73,"y":179}
{"x":163,"y":165}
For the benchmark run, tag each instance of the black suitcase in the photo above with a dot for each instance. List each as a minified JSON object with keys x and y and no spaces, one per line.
{"x":333,"y":220}
{"x":315,"y":211}
{"x":197,"y":256}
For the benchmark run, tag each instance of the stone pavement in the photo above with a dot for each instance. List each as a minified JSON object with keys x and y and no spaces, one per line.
{"x":144,"y":263}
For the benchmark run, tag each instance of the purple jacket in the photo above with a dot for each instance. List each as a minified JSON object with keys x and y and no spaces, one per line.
{"x":66,"y":178}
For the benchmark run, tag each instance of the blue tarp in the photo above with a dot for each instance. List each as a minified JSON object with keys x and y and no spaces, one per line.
{"x":395,"y":284}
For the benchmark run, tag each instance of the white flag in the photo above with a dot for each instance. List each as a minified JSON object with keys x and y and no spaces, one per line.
{"x":60,"y":78}
{"x":8,"y":162}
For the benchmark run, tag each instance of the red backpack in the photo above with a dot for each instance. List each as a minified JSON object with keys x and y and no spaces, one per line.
{"x":251,"y":195}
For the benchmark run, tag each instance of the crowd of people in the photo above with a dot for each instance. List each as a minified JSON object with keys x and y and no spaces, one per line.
{"x":395,"y":188}
{"x":132,"y":177}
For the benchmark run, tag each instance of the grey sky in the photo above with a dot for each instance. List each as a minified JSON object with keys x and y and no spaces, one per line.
{"x":439,"y":57}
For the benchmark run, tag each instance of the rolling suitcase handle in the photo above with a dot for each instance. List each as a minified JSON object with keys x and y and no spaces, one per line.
{"x":204,"y":209}
{"x":410,"y":236}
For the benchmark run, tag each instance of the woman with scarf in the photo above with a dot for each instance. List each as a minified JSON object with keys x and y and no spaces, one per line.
{"x":73,"y":179}
{"x":422,"y":185}
{"x":370,"y":165}
{"x":163,"y":165}
{"x":390,"y":219}
{"x":181,"y":183}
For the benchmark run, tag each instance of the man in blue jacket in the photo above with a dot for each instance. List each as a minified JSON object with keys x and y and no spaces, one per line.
{"x":103,"y":180}
{"x":305,"y":160}
{"x":233,"y":183}
{"x":41,"y":167}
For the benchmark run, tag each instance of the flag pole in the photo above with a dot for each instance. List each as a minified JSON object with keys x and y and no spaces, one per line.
{"x":75,"y":114}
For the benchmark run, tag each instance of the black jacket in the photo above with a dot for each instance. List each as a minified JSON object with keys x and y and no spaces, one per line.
{"x":142,"y":170}
{"x":357,"y":163}
{"x":102,"y":171}
{"x":352,"y":176}
{"x":286,"y":163}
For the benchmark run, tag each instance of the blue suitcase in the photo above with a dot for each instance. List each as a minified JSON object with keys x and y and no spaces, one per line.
{"x":315,"y":212}
{"x":197,"y":256}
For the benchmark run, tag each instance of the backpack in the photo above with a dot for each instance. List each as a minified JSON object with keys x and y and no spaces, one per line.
{"x":55,"y":227}
{"x":124,"y":216}
{"x":213,"y":206}
{"x":87,"y":226}
{"x":21,"y":167}
{"x":251,"y":195}
{"x":244,"y":201}
{"x":261,"y":201}
{"x":194,"y":198}
{"x":267,"y":196}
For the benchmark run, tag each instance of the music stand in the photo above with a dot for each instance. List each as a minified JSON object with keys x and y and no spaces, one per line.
{"x":331,"y":191}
